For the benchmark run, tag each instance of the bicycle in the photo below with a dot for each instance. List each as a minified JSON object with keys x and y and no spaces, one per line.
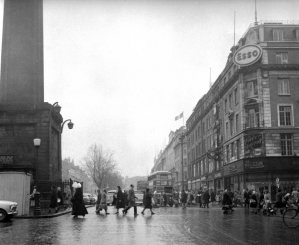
{"x":291,"y":216}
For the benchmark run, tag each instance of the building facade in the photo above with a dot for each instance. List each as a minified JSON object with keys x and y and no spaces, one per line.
{"x":244,"y":132}
{"x":170,"y":159}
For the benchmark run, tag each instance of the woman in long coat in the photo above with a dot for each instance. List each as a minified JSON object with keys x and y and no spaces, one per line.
{"x":184,"y":199}
{"x":78,"y":204}
{"x":68,"y":196}
{"x":53,"y":200}
{"x":147,"y":201}
{"x":120,"y":203}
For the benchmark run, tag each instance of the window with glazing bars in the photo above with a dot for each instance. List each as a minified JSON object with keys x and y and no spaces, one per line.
{"x":283,"y":86}
{"x":277,"y":35}
{"x":286,"y":141}
{"x":285,"y":116}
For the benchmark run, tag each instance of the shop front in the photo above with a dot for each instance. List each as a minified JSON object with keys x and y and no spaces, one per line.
{"x":218,"y":181}
{"x":233,"y":176}
{"x":203,"y":182}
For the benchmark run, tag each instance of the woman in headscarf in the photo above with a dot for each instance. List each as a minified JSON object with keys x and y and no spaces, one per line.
{"x":147,"y":201}
{"x":77,"y":200}
{"x":120,"y":203}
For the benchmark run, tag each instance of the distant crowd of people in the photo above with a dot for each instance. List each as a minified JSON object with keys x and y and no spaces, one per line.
{"x":126,"y":200}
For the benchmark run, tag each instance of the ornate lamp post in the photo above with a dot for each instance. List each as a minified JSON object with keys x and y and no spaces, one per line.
{"x":36,"y":143}
{"x":37,"y":209}
{"x":70,"y":124}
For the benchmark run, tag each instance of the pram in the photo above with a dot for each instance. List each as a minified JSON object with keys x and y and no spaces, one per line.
{"x":227,"y":208}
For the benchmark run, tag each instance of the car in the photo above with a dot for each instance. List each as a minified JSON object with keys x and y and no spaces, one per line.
{"x":86,"y":198}
{"x":139,"y":195}
{"x":111,"y":195}
{"x":92,"y":199}
{"x":7,"y":210}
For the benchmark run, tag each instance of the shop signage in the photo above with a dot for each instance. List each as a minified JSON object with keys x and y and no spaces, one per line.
{"x":218,"y":175}
{"x":232,"y":168}
{"x":253,"y":145}
{"x":6,"y":159}
{"x":247,"y":55}
{"x":249,"y":165}
{"x":203,"y":178}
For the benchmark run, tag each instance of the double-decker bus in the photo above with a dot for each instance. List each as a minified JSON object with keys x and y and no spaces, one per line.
{"x":142,"y":185}
{"x":160,"y":181}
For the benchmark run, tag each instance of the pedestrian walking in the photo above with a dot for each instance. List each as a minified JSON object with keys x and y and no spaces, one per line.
{"x":59,"y":198}
{"x":253,"y":202}
{"x":184,"y":199}
{"x":246,"y":198}
{"x":279,"y":201}
{"x":131,"y":201}
{"x":226,"y":202}
{"x":206,"y":198}
{"x":68,"y":196}
{"x":147,"y":201}
{"x":53,"y":199}
{"x":119,"y":199}
{"x":78,"y":203}
{"x":103,"y":204}
{"x":261,"y":201}
{"x":213,"y":197}
{"x":32,"y":199}
{"x":155,"y":199}
{"x":98,"y":203}
{"x":200,"y":197}
{"x":125,"y":198}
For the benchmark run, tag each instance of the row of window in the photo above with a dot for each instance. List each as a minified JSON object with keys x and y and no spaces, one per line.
{"x":203,"y":167}
{"x":278,"y":35}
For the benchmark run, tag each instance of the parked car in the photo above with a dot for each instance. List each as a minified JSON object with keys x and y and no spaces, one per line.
{"x":7,"y":210}
{"x":92,"y":199}
{"x":86,"y":198}
{"x":111,"y":196}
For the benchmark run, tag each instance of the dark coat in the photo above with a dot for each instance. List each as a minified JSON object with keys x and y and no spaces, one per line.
{"x":184,"y":197}
{"x":78,"y":204}
{"x":125,"y":195}
{"x":147,"y":200}
{"x":53,"y":199}
{"x":226,"y":199}
{"x":131,"y":198}
{"x":120,"y":200}
{"x":206,"y":197}
{"x":213,"y":197}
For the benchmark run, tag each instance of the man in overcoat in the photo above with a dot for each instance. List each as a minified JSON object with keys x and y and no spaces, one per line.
{"x":131,"y":201}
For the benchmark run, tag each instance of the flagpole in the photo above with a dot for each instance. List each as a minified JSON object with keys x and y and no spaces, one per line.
{"x":183,"y":120}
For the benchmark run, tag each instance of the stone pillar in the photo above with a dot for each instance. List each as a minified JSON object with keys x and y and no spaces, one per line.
{"x":22,"y":71}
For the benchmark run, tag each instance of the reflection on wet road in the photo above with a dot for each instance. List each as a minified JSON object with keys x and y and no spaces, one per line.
{"x":167,"y":226}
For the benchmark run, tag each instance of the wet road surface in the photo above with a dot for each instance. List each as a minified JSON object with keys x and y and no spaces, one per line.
{"x":167,"y":226}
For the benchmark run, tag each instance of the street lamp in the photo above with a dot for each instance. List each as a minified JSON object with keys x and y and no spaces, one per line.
{"x":70,"y":124}
{"x":36,"y":143}
{"x":182,"y":158}
{"x":56,"y":107}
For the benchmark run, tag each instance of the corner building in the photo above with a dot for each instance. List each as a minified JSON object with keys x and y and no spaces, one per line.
{"x":244,"y":132}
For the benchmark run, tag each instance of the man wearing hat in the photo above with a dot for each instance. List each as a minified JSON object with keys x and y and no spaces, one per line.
{"x":131,"y":201}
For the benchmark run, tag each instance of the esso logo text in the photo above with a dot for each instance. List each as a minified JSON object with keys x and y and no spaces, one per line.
{"x":248,"y":55}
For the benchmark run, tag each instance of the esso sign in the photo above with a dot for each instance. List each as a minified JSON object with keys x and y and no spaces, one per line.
{"x":247,"y":55}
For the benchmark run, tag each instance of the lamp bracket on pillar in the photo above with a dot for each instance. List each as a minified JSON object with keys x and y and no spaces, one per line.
{"x":70,"y":124}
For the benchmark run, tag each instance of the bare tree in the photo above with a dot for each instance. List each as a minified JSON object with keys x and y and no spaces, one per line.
{"x":99,"y":165}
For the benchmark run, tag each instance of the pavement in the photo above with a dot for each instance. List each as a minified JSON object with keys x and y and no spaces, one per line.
{"x":169,"y":225}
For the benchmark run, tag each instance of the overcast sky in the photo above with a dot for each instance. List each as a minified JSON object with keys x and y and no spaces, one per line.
{"x":122,"y":70}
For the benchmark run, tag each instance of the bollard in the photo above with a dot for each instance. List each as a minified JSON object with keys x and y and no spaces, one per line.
{"x":37,"y":209}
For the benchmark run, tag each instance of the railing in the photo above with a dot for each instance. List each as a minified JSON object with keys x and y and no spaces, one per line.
{"x":262,"y":22}
{"x":44,"y":187}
